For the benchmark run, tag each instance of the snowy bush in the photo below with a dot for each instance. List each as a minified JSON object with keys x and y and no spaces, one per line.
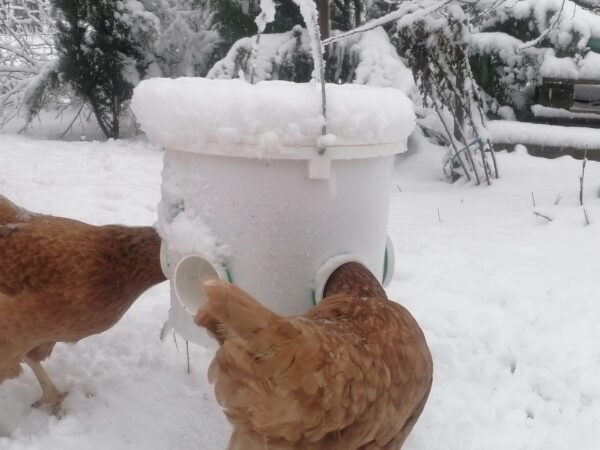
{"x":515,"y":44}
{"x":98,"y":57}
{"x":368,"y":58}
{"x":437,"y":48}
{"x":280,"y":56}
{"x":455,"y":48}
{"x":150,"y":38}
{"x":27,"y":55}
{"x":108,"y":47}
{"x":24,"y":17}
{"x":174,"y":37}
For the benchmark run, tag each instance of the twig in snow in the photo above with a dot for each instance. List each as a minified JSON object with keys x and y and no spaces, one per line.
{"x":164,"y":330}
{"x":533,"y":199}
{"x":587,"y":218}
{"x":175,"y":341}
{"x":187,"y":353}
{"x":399,"y":188}
{"x":439,"y":215}
{"x":581,"y":178}
{"x":558,"y":199}
{"x":549,"y":219}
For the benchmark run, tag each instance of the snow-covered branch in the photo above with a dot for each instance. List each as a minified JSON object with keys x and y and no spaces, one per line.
{"x":26,"y":53}
{"x":404,"y":15}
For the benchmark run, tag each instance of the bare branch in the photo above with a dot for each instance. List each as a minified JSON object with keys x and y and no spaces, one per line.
{"x":587,"y":218}
{"x":581,"y":178}
{"x":408,"y":11}
{"x":543,"y":216}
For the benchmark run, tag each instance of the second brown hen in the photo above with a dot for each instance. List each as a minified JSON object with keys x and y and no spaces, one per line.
{"x":62,"y":280}
{"x":354,"y":373}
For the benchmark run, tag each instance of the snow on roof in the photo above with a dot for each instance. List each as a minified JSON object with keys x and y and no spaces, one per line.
{"x":186,"y":113}
{"x":586,"y":68}
{"x":507,"y":132}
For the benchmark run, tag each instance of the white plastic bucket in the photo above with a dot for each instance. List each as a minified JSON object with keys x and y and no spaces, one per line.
{"x":280,"y":227}
{"x":249,"y":195}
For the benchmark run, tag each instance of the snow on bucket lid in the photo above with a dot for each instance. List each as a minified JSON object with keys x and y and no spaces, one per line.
{"x":268,"y":118}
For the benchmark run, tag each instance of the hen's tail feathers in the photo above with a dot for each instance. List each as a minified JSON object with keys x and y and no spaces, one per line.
{"x":355,"y":280}
{"x":11,"y":213}
{"x":230,"y":311}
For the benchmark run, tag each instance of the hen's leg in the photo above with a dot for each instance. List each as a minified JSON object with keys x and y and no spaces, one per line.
{"x":41,"y":352}
{"x":50,"y":394}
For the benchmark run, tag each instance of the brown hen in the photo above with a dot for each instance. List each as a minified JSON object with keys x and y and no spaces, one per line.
{"x":353,"y":373}
{"x":62,"y":280}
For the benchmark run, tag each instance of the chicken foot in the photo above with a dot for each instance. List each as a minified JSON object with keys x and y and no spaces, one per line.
{"x":50,"y":394}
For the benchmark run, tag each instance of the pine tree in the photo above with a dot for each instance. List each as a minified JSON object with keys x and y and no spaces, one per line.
{"x":235,"y":20}
{"x":95,"y":54}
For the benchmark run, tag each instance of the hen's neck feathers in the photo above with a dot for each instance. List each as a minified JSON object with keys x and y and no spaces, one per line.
{"x":11,"y":213}
{"x":354,"y":279}
{"x":137,"y":250}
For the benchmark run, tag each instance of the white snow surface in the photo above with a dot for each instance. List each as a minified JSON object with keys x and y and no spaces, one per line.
{"x":508,"y":132}
{"x":507,"y":300}
{"x":270,"y":115}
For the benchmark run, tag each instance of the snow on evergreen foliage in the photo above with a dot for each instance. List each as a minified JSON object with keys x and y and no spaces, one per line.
{"x":367,"y":58}
{"x":24,"y":16}
{"x":176,"y":38}
{"x":167,"y":38}
{"x":26,"y":55}
{"x":519,"y":43}
{"x":510,"y":45}
{"x":266,"y":16}
{"x":278,"y":56}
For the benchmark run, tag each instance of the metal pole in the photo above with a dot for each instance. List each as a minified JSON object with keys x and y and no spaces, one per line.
{"x":324,"y":21}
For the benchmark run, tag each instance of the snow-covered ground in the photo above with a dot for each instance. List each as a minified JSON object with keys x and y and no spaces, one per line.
{"x":507,"y":299}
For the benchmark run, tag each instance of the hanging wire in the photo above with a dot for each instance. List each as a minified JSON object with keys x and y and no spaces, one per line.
{"x":307,"y":8}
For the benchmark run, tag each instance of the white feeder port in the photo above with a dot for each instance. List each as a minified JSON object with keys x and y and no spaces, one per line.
{"x":247,"y":197}
{"x":190,"y":273}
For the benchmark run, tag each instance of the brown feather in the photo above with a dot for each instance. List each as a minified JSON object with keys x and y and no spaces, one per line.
{"x":353,"y":373}
{"x":11,"y":213}
{"x":62,"y":280}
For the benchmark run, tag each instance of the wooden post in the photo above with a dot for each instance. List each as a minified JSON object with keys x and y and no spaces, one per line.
{"x":324,"y":22}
